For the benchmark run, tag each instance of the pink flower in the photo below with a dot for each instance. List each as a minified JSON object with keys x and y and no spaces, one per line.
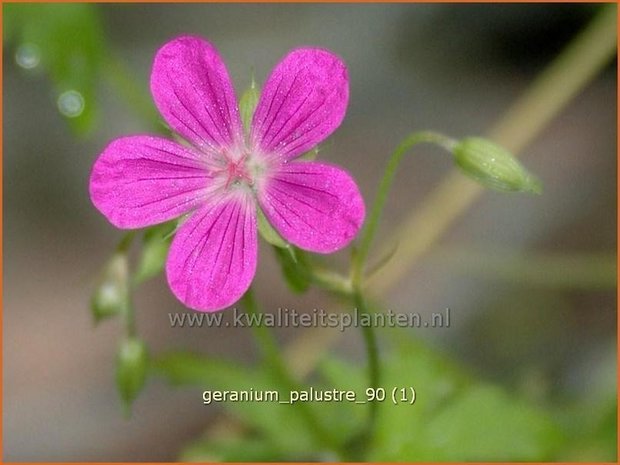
{"x":222,"y":177}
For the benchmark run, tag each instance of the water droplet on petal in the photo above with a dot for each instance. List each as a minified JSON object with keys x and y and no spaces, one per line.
{"x":71,"y":103}
{"x":28,"y":56}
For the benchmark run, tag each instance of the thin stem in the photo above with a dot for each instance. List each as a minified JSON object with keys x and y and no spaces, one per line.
{"x":357,"y":446}
{"x":372,"y":355}
{"x":331,"y":281}
{"x":265,"y":339}
{"x":272,"y":354}
{"x":129,"y":314}
{"x":370,"y":229}
{"x":125,"y":243}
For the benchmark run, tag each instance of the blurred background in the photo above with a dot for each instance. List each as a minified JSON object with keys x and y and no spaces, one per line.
{"x":450,"y":68}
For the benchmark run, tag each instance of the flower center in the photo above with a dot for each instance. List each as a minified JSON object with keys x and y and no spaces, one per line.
{"x":239,"y":170}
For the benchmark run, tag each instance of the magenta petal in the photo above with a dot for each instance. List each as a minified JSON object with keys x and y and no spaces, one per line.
{"x":315,"y":206}
{"x":194,"y":93}
{"x":212,"y":259}
{"x":143,"y":180}
{"x":303,"y":102}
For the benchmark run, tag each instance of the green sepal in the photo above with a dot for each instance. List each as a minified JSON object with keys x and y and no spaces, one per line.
{"x":156,"y":243}
{"x":268,"y":233}
{"x":247,"y":105}
{"x":295,"y":268}
{"x":311,"y":154}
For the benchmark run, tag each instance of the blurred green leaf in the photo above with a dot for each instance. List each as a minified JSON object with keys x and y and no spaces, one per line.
{"x":454,"y":418}
{"x":484,"y":424}
{"x":68,"y":39}
{"x":131,"y":370}
{"x":111,"y":297}
{"x":589,"y":417}
{"x":232,"y":450}
{"x":346,"y":419}
{"x":281,"y":425}
{"x":294,"y":266}
{"x":154,"y":251}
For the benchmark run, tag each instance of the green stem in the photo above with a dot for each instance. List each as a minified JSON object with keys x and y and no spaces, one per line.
{"x":359,"y":262}
{"x":369,"y":231}
{"x":272,"y":354}
{"x":265,"y":339}
{"x":372,"y":355}
{"x":125,"y":243}
{"x":129,"y":315}
{"x":331,"y":281}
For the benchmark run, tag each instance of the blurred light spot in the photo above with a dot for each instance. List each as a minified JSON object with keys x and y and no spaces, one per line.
{"x":71,"y":103}
{"x":110,"y":295}
{"x":28,"y":56}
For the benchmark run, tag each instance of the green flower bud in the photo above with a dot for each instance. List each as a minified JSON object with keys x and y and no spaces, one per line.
{"x":493,"y":167}
{"x":111,"y":296}
{"x":131,"y":370}
{"x":247,"y":105}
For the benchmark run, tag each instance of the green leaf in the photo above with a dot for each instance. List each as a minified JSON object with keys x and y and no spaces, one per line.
{"x":590,"y":417}
{"x":67,"y":40}
{"x":295,"y":268}
{"x":346,"y":419}
{"x":111,"y":297}
{"x":484,"y":424}
{"x":232,"y":450}
{"x":154,"y":251}
{"x":131,"y":370}
{"x":454,"y":417}
{"x":282,"y":425}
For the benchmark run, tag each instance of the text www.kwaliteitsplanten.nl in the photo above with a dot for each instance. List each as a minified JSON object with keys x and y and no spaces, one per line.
{"x":317,"y":318}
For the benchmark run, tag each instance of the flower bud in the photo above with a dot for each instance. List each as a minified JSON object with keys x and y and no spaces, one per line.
{"x":493,"y":167}
{"x":131,"y":370}
{"x":111,"y":296}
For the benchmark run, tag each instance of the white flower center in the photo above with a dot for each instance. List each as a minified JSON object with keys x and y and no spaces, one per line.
{"x":239,"y":170}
